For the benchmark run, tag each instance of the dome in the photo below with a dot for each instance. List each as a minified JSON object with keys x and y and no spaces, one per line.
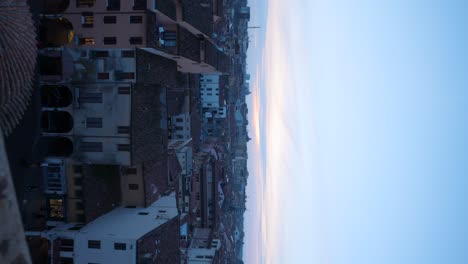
{"x":17,"y":61}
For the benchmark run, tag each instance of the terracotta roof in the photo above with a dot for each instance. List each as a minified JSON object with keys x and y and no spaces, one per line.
{"x":232,"y":123}
{"x":219,"y":7}
{"x":155,"y":74}
{"x":167,"y":7}
{"x":188,"y":45}
{"x":216,"y":57}
{"x":161,"y":245}
{"x":175,"y":102}
{"x":199,"y":14}
{"x":101,"y":190}
{"x":152,"y":31}
{"x":154,"y":69}
{"x":195,"y":117}
{"x":149,"y":123}
{"x":156,"y":175}
{"x":18,"y":61}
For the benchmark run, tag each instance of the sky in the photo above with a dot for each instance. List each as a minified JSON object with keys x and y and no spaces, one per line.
{"x":359,"y":120}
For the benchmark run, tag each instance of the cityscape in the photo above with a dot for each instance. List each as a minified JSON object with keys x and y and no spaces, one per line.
{"x":125,"y":131}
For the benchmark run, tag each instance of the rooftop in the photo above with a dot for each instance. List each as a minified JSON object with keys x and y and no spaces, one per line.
{"x":144,"y":220}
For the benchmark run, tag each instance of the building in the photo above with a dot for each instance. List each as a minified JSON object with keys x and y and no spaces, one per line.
{"x":210,"y":91}
{"x":179,"y":122}
{"x":204,"y":192}
{"x":204,"y":248}
{"x":124,"y":235}
{"x":99,"y":109}
{"x":183,"y":150}
{"x":178,"y":30}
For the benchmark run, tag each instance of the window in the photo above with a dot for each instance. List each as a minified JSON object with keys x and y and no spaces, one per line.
{"x":210,"y":89}
{"x":79,"y":205}
{"x":123,"y":130}
{"x":132,"y":171}
{"x":80,"y":218}
{"x":87,"y":19}
{"x":66,"y":260}
{"x":143,"y":213}
{"x":100,"y":53}
{"x":90,"y":98}
{"x":133,"y":186}
{"x":77,"y":168}
{"x":85,"y":3}
{"x":128,"y":53}
{"x":67,"y":242}
{"x":84,"y":54}
{"x":94,"y":122}
{"x":120,"y":246}
{"x":78,"y":193}
{"x":91,"y":146}
{"x":179,"y":120}
{"x":123,"y":147}
{"x":124,"y":75}
{"x":110,"y":40}
{"x":103,"y":75}
{"x":110,"y":19}
{"x":86,"y":41}
{"x":124,"y":90}
{"x":130,"y":206}
{"x":179,"y":128}
{"x":139,"y":4}
{"x":78,"y":181}
{"x":136,"y":19}
{"x":136,"y":40}
{"x":94,"y":244}
{"x":113,"y":5}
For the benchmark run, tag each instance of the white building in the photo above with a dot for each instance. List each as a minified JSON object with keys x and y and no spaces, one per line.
{"x":203,"y":249}
{"x":180,"y":128}
{"x":124,"y":235}
{"x":210,"y":90}
{"x":184,"y":153}
{"x":113,"y":238}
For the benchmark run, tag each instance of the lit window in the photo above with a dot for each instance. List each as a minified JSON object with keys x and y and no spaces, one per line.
{"x":85,"y":3}
{"x":86,"y":41}
{"x":87,"y":19}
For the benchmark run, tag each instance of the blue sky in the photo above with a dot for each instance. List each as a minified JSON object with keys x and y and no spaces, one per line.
{"x":361,"y":154}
